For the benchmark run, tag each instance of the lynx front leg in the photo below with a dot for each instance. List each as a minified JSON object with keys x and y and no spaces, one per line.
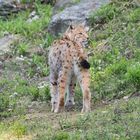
{"x":53,"y":91}
{"x":84,"y":80}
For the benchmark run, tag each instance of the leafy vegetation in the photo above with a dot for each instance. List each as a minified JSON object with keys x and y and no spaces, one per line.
{"x":116,"y":51}
{"x":25,"y":65}
{"x":119,"y":120}
{"x":20,"y":24}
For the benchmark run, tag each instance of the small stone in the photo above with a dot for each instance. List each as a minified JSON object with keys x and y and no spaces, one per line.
{"x":32,"y":17}
{"x":125,"y":97}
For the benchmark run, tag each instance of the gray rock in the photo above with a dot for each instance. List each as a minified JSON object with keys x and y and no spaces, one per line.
{"x":9,"y":1}
{"x":75,"y":14}
{"x":8,"y":7}
{"x":62,"y":4}
{"x":32,"y":17}
{"x":5,"y":43}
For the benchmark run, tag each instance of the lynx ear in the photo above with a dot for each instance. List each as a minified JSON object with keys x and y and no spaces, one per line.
{"x":84,"y":24}
{"x":71,"y":27}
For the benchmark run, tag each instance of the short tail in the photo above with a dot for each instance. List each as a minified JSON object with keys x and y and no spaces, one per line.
{"x":85,"y":64}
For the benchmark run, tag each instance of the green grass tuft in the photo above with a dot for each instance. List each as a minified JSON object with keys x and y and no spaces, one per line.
{"x":115,"y":63}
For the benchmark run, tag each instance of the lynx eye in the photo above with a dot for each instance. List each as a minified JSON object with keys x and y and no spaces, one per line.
{"x":80,"y":33}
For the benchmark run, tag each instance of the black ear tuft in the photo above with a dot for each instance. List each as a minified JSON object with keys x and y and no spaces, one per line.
{"x":71,"y":27}
{"x":85,"y":64}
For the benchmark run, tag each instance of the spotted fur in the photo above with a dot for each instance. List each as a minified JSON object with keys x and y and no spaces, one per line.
{"x":68,"y":61}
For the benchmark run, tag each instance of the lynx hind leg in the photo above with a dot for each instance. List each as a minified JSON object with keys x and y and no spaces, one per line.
{"x":70,"y":92}
{"x":62,"y":85}
{"x":53,"y":91}
{"x":84,"y":81}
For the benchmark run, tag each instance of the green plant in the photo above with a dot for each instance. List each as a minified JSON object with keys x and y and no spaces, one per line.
{"x":22,"y":49}
{"x":34,"y":92}
{"x":111,"y":61}
{"x":38,"y":60}
{"x":104,"y":14}
{"x":39,"y":65}
{"x":75,"y":1}
{"x":137,"y":37}
{"x":118,"y":68}
{"x":27,"y":1}
{"x":19,"y":24}
{"x":48,"y":40}
{"x":61,"y":136}
{"x":44,"y":93}
{"x":134,"y":15}
{"x":4,"y":103}
{"x":18,"y":129}
{"x":133,"y":75}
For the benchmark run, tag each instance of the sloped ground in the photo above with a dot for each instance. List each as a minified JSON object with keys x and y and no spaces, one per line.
{"x":115,"y":79}
{"x":115,"y":50}
{"x":117,"y":120}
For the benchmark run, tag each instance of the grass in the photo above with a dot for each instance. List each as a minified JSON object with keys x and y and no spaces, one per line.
{"x":15,"y":91}
{"x":14,"y":130}
{"x":31,"y":31}
{"x":118,"y":120}
{"x":25,"y":65}
{"x":117,"y":24}
{"x":75,"y":1}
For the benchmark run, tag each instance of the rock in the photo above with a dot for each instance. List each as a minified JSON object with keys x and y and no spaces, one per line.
{"x":9,"y":1}
{"x":9,"y":7}
{"x":128,"y":53}
{"x":74,"y":14}
{"x":52,"y":2}
{"x":43,"y":84}
{"x":62,"y":4}
{"x":6,"y":41}
{"x":20,"y":59}
{"x":125,"y":97}
{"x":32,"y":17}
